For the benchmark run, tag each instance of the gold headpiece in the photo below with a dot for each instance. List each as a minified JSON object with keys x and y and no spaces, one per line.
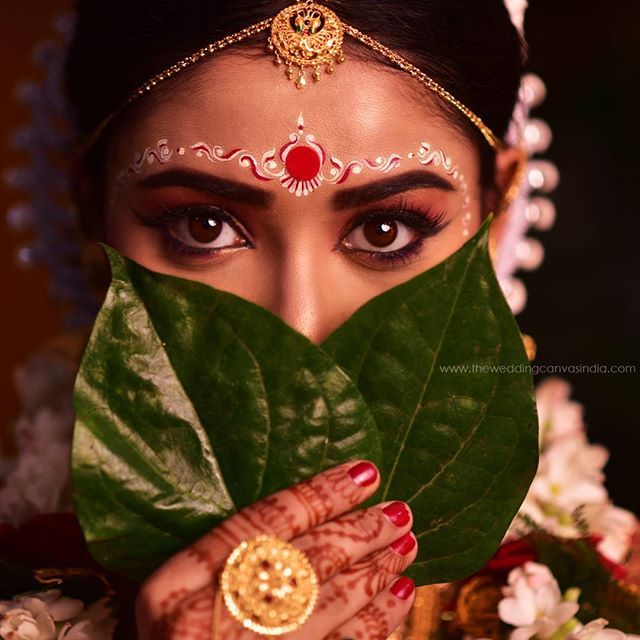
{"x":305,"y":34}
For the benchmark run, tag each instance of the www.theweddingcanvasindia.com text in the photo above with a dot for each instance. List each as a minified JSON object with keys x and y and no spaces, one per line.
{"x":539,"y":369}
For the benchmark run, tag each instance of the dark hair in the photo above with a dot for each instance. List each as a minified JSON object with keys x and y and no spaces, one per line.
{"x":470,"y":47}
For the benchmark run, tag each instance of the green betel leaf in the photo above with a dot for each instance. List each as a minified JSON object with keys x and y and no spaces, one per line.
{"x":192,"y":403}
{"x":441,"y":363}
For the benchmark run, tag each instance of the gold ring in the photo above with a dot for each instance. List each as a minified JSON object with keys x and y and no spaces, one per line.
{"x":269,"y":586}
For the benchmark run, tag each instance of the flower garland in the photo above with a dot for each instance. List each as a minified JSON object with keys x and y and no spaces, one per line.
{"x":570,"y":479}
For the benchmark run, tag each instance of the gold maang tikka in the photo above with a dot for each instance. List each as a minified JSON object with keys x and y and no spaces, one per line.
{"x":306,"y":35}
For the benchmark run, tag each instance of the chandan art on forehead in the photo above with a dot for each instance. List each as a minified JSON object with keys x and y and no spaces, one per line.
{"x":301,"y":165}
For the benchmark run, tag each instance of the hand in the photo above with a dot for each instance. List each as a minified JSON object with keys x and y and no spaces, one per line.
{"x":358,"y":556}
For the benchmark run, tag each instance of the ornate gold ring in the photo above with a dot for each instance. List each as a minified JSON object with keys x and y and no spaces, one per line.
{"x":269,"y":585}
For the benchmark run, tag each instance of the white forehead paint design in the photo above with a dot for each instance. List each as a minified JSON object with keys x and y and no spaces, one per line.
{"x":301,"y":164}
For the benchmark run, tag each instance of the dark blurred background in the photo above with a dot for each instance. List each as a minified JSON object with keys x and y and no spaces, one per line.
{"x":584,"y":301}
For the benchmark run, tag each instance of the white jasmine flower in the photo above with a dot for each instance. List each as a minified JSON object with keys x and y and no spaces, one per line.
{"x":570,"y":475}
{"x":533,"y":603}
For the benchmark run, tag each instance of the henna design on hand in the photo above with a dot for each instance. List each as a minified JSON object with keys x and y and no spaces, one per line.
{"x":374,"y":621}
{"x":185,"y":615}
{"x":328,"y":559}
{"x":362,"y":526}
{"x":371,"y":625}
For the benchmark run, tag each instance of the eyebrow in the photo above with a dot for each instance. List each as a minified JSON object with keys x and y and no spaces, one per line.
{"x":381,"y":189}
{"x":208,"y":183}
{"x":253,"y":196}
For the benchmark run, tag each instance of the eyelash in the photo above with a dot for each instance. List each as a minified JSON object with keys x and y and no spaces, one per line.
{"x":424,"y":222}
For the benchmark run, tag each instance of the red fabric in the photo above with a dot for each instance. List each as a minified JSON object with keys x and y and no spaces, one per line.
{"x":509,"y":555}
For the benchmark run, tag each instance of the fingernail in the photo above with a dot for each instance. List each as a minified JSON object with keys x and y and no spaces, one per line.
{"x":398,"y":513}
{"x":363,"y":473}
{"x":402,"y":588}
{"x":404,"y":544}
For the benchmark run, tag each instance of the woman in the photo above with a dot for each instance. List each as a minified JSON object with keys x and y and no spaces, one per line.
{"x":183,"y":181}
{"x":314,"y":258}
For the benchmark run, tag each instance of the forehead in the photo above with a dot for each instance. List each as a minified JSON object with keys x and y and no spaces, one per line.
{"x":241,"y":99}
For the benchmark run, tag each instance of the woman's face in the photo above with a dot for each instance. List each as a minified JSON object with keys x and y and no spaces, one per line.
{"x":195,"y":187}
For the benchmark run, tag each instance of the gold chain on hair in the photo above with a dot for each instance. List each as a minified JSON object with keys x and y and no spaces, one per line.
{"x":305,"y":45}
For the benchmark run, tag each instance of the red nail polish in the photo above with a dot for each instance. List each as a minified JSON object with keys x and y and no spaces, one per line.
{"x":402,"y":588}
{"x":364,"y":473}
{"x":404,"y":544}
{"x":398,"y":513}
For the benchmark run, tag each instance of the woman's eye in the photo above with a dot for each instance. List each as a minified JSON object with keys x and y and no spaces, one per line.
{"x":381,"y":235}
{"x":207,"y":230}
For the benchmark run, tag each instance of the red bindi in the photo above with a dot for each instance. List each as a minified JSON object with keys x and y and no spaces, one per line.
{"x":303,"y":163}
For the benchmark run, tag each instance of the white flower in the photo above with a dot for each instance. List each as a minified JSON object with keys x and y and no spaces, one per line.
{"x":59,"y":607}
{"x":50,"y":616}
{"x":534,"y":604}
{"x":595,"y":630}
{"x":570,"y":475}
{"x":20,"y":624}
{"x":30,"y":617}
{"x":97,"y":623}
{"x":558,"y":417}
{"x":615,"y":525}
